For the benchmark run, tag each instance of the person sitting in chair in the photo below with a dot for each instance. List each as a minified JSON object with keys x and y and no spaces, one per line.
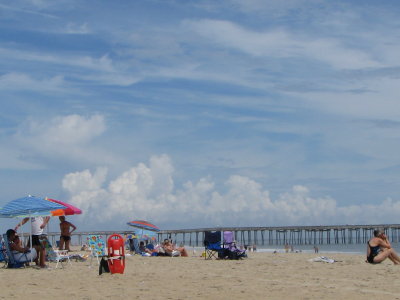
{"x":379,"y":249}
{"x":144,"y":250}
{"x":171,"y":250}
{"x":24,"y":254}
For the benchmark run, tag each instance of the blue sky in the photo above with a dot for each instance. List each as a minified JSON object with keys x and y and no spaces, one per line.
{"x":203,"y":113}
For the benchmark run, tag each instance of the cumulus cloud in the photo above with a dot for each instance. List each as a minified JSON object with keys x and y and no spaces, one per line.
{"x":148,"y":192}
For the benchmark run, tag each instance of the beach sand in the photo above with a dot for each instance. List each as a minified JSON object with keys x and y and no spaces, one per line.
{"x":261,"y":276}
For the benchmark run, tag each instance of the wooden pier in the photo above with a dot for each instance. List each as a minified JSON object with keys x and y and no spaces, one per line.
{"x":262,"y":236}
{"x":292,"y":235}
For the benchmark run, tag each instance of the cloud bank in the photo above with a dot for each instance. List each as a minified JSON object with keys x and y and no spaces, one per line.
{"x":148,"y":192}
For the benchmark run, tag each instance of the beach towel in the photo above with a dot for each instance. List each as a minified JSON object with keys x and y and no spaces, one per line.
{"x":322,"y":259}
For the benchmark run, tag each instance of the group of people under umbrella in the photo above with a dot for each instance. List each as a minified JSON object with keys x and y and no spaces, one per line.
{"x":37,"y":210}
{"x":145,"y":246}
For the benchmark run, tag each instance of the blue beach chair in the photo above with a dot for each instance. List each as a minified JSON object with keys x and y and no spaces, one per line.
{"x":3,"y":254}
{"x":9,"y":257}
{"x":212,"y":244}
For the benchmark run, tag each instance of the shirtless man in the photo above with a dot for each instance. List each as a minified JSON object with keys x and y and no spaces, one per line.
{"x":65,"y":237}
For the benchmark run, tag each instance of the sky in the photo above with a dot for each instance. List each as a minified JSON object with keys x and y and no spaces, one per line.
{"x":193,"y":114}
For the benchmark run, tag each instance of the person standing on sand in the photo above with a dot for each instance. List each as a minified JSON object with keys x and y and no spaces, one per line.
{"x":65,"y":237}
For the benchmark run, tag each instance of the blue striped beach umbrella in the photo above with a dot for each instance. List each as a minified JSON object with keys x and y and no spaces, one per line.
{"x":29,"y":206}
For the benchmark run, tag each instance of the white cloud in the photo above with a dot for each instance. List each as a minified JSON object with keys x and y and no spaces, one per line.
{"x":68,"y":130}
{"x":73,"y":28}
{"x":378,"y":101}
{"x":137,"y":194}
{"x":21,"y":81}
{"x":69,"y":138}
{"x":101,"y":69}
{"x":281,"y":43}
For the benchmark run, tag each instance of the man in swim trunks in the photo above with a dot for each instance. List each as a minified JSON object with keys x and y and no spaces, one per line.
{"x":65,"y":237}
{"x":379,"y":248}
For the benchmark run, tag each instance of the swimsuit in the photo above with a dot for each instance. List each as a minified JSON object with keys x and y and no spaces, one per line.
{"x":374,"y":251}
{"x":65,"y":237}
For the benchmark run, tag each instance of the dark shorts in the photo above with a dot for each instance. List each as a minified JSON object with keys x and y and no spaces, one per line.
{"x":35,"y":240}
{"x":65,"y":238}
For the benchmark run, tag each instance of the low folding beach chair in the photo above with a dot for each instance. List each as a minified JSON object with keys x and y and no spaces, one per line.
{"x":212,"y":244}
{"x":53,"y":255}
{"x":97,"y":248}
{"x":230,"y":249}
{"x":228,"y":239}
{"x":9,"y":257}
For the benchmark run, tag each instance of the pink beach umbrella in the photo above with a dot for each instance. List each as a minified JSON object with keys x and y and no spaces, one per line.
{"x":69,"y":210}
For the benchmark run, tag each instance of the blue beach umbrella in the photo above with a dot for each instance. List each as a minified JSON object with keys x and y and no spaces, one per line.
{"x":28,"y":206}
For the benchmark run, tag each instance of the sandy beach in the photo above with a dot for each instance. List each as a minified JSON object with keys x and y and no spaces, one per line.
{"x":260,"y":276}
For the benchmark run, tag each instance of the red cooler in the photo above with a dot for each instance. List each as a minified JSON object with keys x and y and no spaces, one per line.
{"x":116,"y":254}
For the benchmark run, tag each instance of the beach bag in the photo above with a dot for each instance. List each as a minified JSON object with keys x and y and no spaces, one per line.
{"x":104,"y":268}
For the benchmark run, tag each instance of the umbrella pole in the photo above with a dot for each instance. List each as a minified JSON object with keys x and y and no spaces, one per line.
{"x":30,"y":240}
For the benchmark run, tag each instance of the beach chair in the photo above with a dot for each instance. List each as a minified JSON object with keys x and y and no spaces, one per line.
{"x":9,"y":257}
{"x":230,"y":249}
{"x":53,"y":255}
{"x":3,"y":254}
{"x":97,"y":247}
{"x":212,"y":244}
{"x":134,"y":245}
{"x":150,"y":247}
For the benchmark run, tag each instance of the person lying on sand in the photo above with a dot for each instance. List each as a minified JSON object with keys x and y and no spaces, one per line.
{"x":379,"y":248}
{"x":171,"y":250}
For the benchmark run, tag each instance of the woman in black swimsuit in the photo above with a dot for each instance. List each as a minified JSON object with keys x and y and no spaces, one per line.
{"x":379,"y":249}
